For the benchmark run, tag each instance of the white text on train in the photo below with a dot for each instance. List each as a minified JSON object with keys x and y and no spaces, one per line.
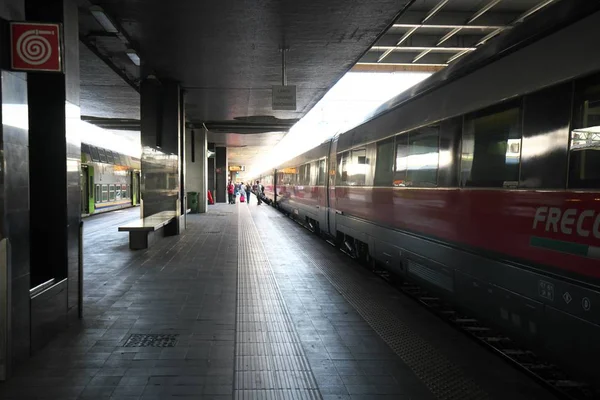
{"x":554,"y":219}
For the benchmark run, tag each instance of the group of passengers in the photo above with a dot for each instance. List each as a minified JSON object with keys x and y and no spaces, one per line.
{"x":244,"y":190}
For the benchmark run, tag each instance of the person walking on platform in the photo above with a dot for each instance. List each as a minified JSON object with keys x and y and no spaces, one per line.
{"x":257,"y":191}
{"x":242,"y":190}
{"x":248,"y":191}
{"x":230,"y":190}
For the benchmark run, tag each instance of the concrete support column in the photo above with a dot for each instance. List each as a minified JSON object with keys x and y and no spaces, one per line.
{"x":197,"y":166}
{"x":162,"y":138}
{"x":55,"y":178}
{"x":222,"y":174}
{"x":212,"y":170}
{"x":14,"y":209}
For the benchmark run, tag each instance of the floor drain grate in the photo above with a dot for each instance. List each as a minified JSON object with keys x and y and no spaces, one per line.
{"x":151,"y":340}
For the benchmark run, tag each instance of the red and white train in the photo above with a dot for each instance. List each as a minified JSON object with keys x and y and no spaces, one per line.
{"x":482,"y":183}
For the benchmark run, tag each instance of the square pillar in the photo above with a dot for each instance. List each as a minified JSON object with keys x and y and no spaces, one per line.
{"x":161,"y":137}
{"x":197,"y":166}
{"x":55,"y":179}
{"x":222,"y":175}
{"x":212,"y":170}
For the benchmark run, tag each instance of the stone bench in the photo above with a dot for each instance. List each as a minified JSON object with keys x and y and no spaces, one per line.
{"x":143,"y":232}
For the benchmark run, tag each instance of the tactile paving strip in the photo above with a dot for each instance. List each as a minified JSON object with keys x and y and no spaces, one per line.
{"x":269,"y":360}
{"x":151,"y":340}
{"x":444,"y":379}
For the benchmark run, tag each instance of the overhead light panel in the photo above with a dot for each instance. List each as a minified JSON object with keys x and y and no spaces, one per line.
{"x":133,"y":56}
{"x":103,"y":19}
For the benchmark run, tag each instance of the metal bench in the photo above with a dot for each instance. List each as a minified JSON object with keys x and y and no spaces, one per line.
{"x":142,"y":232}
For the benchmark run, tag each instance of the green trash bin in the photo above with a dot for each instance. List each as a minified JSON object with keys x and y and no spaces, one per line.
{"x":193,"y":203}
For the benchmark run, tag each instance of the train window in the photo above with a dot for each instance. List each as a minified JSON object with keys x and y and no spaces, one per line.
{"x":322,"y":173}
{"x":353,"y":167}
{"x":111,"y":193}
{"x":104,"y":193}
{"x":102,"y":154}
{"x":304,"y":175}
{"x":384,"y":163}
{"x":118,"y":192}
{"x":94,"y":153}
{"x":423,"y":157}
{"x":491,"y":151}
{"x":342,"y":176}
{"x":584,"y":153}
{"x":98,"y":194}
{"x":417,"y":158}
{"x":401,"y":160}
{"x":125,"y":191}
{"x":109,"y":157}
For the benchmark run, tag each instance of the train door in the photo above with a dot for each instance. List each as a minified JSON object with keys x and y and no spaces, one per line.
{"x":331,"y":200}
{"x":85,"y":190}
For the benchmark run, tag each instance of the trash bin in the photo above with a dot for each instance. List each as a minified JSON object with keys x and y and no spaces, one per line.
{"x":192,"y":201}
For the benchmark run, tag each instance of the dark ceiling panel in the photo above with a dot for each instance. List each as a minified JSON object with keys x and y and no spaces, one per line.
{"x":226,"y":53}
{"x":103,"y":93}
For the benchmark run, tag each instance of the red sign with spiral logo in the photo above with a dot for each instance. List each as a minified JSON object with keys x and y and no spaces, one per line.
{"x":35,"y":47}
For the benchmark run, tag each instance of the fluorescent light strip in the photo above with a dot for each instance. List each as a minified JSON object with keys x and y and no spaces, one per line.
{"x":103,"y":19}
{"x":133,"y":56}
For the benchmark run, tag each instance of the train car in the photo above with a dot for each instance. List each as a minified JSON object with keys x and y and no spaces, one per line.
{"x":300,"y":186}
{"x":482,"y":183}
{"x":109,"y":180}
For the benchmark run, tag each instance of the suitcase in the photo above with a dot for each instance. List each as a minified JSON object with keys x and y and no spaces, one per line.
{"x":242,"y":198}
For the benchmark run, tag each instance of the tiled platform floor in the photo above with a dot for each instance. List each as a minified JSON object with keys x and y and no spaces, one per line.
{"x":262,"y":310}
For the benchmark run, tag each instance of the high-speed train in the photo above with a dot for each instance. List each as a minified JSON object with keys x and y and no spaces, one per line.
{"x":482,"y":183}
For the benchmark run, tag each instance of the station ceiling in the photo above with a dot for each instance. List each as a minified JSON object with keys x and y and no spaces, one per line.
{"x":433,"y":33}
{"x":226,"y":55}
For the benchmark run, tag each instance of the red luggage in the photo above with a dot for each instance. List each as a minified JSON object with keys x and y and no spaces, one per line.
{"x":242,"y":198}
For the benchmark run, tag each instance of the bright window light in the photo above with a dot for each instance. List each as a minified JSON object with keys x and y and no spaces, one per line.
{"x":345,"y":106}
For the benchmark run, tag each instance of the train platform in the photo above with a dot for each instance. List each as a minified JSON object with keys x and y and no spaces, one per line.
{"x":246,"y":304}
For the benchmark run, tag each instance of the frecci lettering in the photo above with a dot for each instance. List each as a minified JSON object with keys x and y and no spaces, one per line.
{"x":539,"y":216}
{"x":597,"y":227}
{"x":567,"y":220}
{"x":580,"y":231}
{"x":553,"y":218}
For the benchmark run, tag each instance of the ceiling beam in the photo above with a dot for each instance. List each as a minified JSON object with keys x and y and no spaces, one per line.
{"x":429,"y":15}
{"x":402,"y":40}
{"x":447,"y":27}
{"x":435,"y":49}
{"x":454,"y":31}
{"x":396,"y":67}
{"x":483,"y":10}
{"x":435,"y":10}
{"x":121,"y":124}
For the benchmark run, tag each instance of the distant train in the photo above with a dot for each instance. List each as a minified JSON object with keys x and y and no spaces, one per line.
{"x":482,"y":183}
{"x":109,"y":180}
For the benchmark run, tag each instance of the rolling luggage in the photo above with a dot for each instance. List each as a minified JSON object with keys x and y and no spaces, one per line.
{"x":242,"y":198}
